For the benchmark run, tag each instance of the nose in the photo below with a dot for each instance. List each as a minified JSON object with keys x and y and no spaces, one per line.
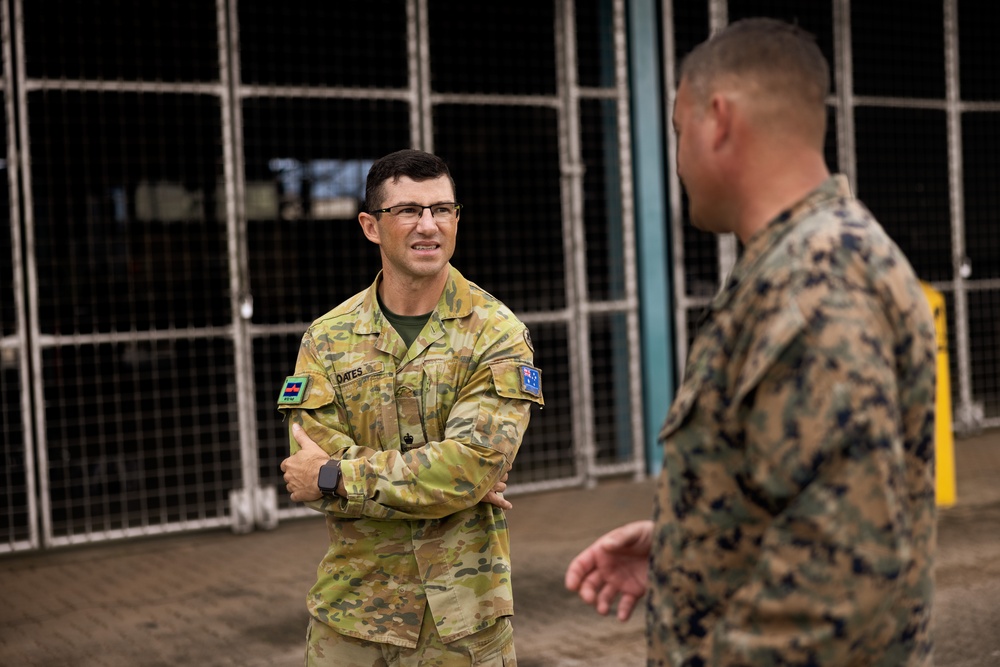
{"x":426,"y":220}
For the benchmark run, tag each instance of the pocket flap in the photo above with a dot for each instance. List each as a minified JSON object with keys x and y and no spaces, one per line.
{"x":770,"y":342}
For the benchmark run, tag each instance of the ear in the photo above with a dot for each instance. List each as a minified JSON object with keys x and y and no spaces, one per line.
{"x":721,"y":110}
{"x":369,"y":225}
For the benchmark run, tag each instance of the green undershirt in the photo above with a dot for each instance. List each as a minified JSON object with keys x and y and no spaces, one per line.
{"x":407,"y":326}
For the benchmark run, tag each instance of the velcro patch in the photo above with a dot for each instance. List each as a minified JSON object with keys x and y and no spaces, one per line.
{"x":531,"y":380}
{"x":294,"y":390}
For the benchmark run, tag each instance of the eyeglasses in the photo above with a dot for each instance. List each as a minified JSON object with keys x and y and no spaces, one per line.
{"x":410,"y":213}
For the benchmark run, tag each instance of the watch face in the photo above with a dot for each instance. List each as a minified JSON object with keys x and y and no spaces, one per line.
{"x":329,"y":474}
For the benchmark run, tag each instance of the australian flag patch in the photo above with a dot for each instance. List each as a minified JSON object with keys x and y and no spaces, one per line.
{"x":531,"y":380}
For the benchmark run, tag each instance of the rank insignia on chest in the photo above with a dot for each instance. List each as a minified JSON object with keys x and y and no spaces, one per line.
{"x":531,"y":380}
{"x":294,"y":390}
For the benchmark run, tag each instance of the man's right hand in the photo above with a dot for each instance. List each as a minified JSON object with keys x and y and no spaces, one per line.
{"x":615,"y":565}
{"x":302,"y":468}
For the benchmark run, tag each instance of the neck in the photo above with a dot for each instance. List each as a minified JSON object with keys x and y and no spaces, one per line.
{"x":775,"y":183}
{"x":411,"y":296}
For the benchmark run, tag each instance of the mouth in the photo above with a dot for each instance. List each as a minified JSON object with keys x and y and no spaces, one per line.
{"x":425,"y":247}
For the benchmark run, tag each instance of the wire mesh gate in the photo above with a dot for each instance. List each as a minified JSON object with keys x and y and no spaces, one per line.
{"x":182,"y":185}
{"x":914,"y":118}
{"x":191,"y":177}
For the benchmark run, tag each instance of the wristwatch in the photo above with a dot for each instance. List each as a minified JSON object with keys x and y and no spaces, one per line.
{"x":329,"y":475}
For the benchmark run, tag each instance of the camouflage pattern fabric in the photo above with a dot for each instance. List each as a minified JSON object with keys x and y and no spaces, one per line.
{"x":492,"y":647}
{"x":423,"y":434}
{"x":795,"y":518}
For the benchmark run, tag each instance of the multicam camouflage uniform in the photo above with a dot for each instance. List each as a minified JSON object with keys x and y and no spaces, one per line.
{"x":795,"y":520}
{"x":424,"y":434}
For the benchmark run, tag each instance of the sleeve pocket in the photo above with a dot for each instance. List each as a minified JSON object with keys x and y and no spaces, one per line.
{"x":516,"y":379}
{"x":318,"y":392}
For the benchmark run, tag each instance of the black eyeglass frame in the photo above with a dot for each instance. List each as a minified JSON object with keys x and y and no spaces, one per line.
{"x":458,"y":209}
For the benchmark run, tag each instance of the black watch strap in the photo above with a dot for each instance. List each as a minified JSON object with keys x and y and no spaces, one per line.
{"x":329,"y":475}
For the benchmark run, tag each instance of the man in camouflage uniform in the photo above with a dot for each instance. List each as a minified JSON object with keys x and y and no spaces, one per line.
{"x":795,"y":519}
{"x":409,"y":402}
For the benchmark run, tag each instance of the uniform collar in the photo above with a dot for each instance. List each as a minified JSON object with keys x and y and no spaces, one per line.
{"x":455,"y":302}
{"x":761,"y":243}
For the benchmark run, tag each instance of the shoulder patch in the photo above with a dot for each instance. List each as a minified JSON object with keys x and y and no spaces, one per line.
{"x":294,"y":390}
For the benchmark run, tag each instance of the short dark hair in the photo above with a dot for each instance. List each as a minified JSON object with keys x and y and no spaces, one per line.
{"x":781,"y":58}
{"x":415,"y":164}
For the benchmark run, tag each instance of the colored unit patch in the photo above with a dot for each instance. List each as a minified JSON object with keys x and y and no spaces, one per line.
{"x":294,"y":390}
{"x":531,"y":380}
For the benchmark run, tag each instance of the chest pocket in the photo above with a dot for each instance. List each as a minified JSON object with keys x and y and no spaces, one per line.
{"x":687,"y":396}
{"x":366,"y":397}
{"x":441,"y":380}
{"x":769,"y":342}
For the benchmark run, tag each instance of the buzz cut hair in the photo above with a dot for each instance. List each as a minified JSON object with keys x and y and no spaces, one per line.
{"x":780,"y":61}
{"x":415,"y":164}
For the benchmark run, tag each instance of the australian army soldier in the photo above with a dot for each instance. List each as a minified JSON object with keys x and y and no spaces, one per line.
{"x":409,"y":401}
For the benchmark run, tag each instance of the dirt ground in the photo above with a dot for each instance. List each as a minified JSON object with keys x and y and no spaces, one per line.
{"x":216,"y":598}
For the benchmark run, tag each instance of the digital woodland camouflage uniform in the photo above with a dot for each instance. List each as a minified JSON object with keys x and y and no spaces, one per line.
{"x":423,"y":434}
{"x":795,"y":523}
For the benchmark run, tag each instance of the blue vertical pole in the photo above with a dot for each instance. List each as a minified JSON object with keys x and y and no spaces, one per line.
{"x":651,"y":221}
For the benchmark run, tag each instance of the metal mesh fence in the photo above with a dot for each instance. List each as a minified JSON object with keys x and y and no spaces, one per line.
{"x":913,"y":124}
{"x":193,"y":177}
{"x":184,"y":182}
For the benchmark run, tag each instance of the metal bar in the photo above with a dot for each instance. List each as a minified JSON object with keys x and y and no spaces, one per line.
{"x":322,"y":92}
{"x":618,"y":305}
{"x":900,"y":102}
{"x":635,"y":407}
{"x":240,"y":299}
{"x":549,"y":485}
{"x":31,"y":275}
{"x":117,"y":86}
{"x":20,"y":340}
{"x":718,"y":15}
{"x":611,"y":469}
{"x":424,"y":93}
{"x":413,"y":69}
{"x":598,"y":93}
{"x":843,"y":73}
{"x":492,"y":99}
{"x":59,"y":340}
{"x":674,"y":199}
{"x":979,"y":106}
{"x":966,"y":414}
{"x":718,"y":18}
{"x":571,"y":176}
{"x":140,"y":531}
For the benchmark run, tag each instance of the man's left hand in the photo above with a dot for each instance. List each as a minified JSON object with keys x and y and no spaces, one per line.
{"x":302,"y":468}
{"x":495,"y":495}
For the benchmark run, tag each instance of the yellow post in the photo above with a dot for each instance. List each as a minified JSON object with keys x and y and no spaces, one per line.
{"x":944,"y":446}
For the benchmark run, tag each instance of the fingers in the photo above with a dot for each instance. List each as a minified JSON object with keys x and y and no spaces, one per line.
{"x":625,"y":606}
{"x":496,"y":498}
{"x":301,"y":437}
{"x":579,"y":568}
{"x":605,"y":598}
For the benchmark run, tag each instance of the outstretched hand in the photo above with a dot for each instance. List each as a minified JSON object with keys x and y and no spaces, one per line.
{"x":616,"y":565}
{"x":302,"y":468}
